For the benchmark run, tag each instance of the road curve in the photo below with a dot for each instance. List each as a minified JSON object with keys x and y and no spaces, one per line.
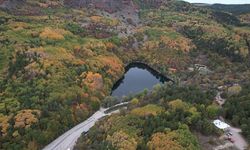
{"x":67,"y":140}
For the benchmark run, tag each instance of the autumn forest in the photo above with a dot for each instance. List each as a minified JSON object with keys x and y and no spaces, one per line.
{"x":59,"y":60}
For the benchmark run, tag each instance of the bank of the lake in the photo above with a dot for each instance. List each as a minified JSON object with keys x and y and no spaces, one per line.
{"x":136,"y":74}
{"x":137,"y":77}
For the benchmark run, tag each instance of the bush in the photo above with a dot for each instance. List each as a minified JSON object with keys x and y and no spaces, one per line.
{"x":52,"y":34}
{"x":34,"y":42}
{"x":213,"y":111}
{"x":95,"y":105}
{"x":134,"y":101}
{"x":75,"y":29}
{"x":234,"y":90}
{"x":109,"y":101}
{"x":115,"y":40}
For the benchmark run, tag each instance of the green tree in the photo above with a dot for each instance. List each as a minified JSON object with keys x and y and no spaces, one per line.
{"x":213,"y":111}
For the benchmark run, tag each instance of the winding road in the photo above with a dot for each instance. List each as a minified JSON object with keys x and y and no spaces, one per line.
{"x":67,"y":140}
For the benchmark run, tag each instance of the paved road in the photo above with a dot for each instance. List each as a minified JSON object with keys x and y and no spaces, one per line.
{"x":69,"y":138}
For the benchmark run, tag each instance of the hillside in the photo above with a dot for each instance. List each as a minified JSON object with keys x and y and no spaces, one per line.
{"x":235,"y":9}
{"x":59,"y":60}
{"x":157,"y":120}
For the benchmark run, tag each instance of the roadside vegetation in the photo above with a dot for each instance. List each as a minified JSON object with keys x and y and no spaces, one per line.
{"x":158,"y":120}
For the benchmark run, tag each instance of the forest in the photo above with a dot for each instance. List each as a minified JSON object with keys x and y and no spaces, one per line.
{"x":161,"y":119}
{"x":59,"y":62}
{"x":235,"y":9}
{"x":237,"y":109}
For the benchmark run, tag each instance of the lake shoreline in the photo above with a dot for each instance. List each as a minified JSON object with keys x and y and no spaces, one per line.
{"x":149,"y":75}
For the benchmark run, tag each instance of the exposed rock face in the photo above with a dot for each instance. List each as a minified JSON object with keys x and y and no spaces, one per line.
{"x":106,"y":5}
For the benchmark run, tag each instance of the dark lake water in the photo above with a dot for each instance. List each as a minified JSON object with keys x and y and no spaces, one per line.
{"x":137,"y":77}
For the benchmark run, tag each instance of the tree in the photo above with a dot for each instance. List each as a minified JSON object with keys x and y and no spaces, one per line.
{"x":160,"y":141}
{"x":207,"y":127}
{"x":52,"y":34}
{"x":134,"y":101}
{"x":213,"y":111}
{"x":147,"y":110}
{"x":178,"y":104}
{"x":109,"y":101}
{"x":93,"y":81}
{"x":4,"y":124}
{"x":9,"y":105}
{"x":75,"y":29}
{"x":25,"y":118}
{"x":95,"y":103}
{"x":234,"y":90}
{"x":122,"y":141}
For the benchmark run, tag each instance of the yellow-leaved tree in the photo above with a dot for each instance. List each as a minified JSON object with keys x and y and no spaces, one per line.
{"x":122,"y":141}
{"x":93,"y":81}
{"x":161,"y":141}
{"x":25,"y":118}
{"x":4,"y":125}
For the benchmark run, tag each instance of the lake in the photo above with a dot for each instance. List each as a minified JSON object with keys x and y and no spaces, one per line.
{"x":137,"y":77}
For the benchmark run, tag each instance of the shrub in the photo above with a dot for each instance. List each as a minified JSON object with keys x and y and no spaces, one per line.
{"x":75,"y":29}
{"x":109,"y":101}
{"x":51,"y":34}
{"x":115,"y":40}
{"x":234,"y":90}
{"x":149,"y":109}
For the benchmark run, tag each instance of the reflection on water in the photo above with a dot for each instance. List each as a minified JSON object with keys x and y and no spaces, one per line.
{"x":137,"y":78}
